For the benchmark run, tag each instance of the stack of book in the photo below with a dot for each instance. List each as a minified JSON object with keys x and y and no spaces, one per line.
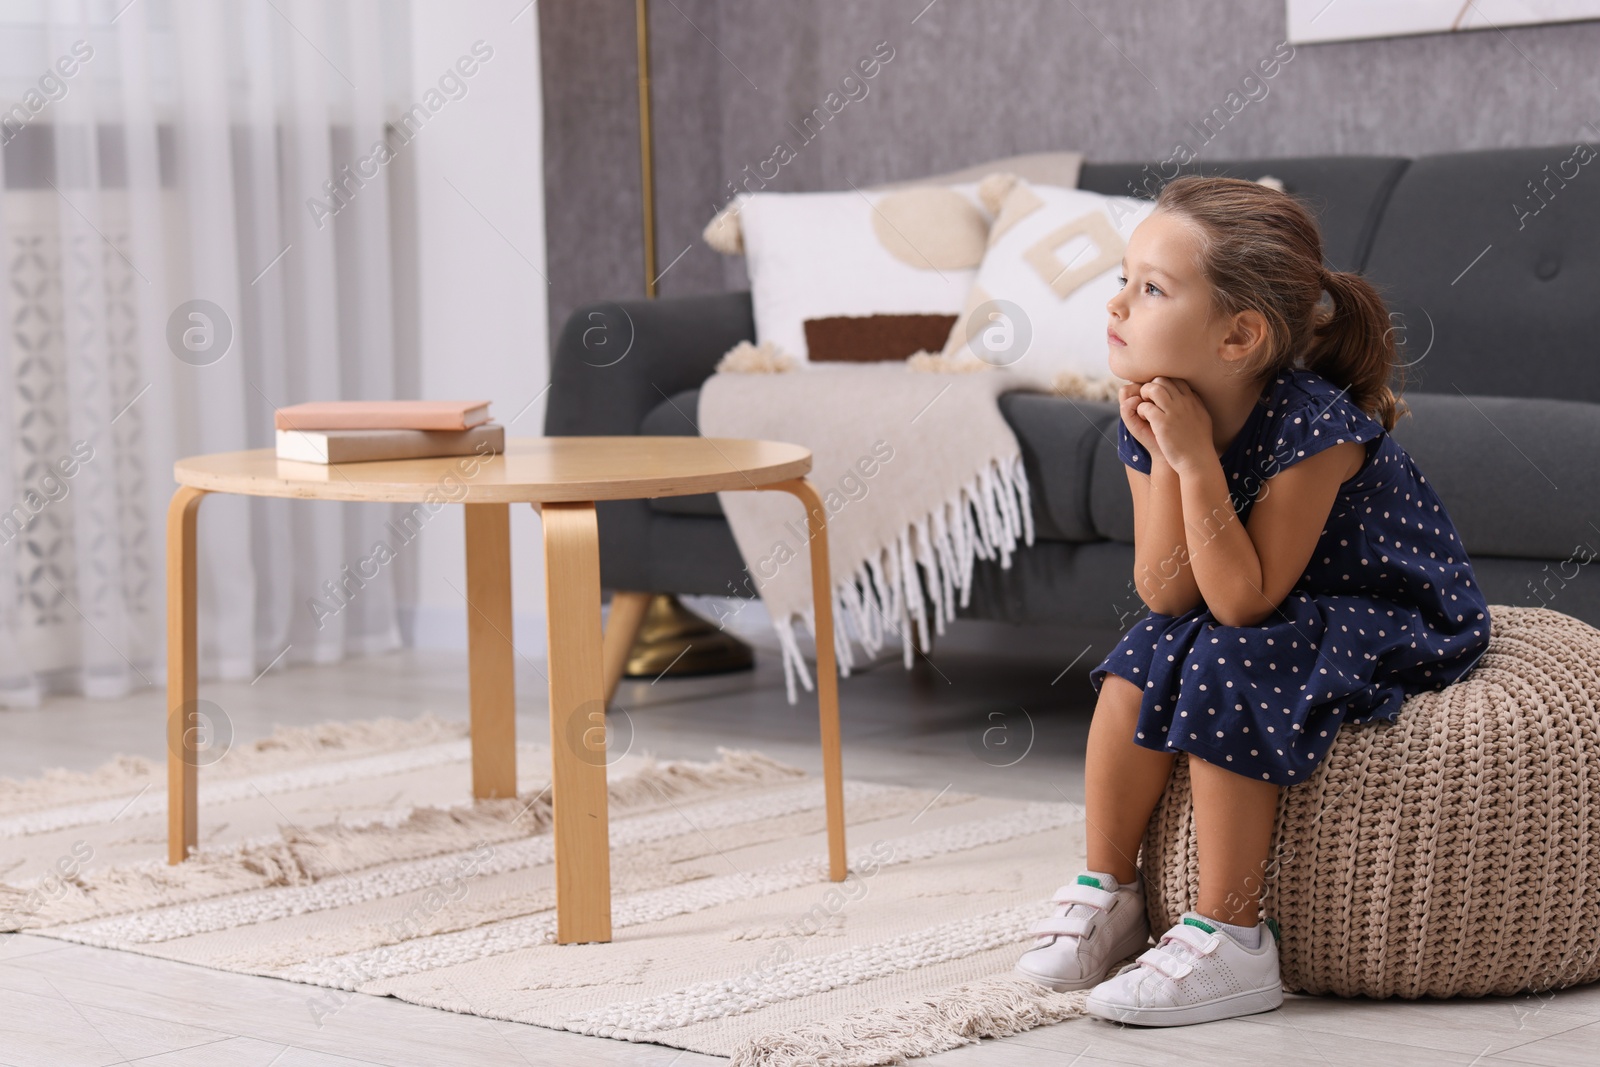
{"x":354,"y":431}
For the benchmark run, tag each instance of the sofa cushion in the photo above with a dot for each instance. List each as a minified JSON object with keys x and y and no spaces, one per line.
{"x":1490,"y":264}
{"x":1052,"y":266}
{"x":830,"y":254}
{"x":1110,"y":503}
{"x":1058,"y":436}
{"x":1346,"y":192}
{"x":678,"y":416}
{"x":1517,"y":475}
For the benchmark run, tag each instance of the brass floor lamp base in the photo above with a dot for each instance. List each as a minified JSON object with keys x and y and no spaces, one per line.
{"x":674,"y":641}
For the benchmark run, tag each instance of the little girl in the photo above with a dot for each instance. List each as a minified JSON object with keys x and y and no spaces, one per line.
{"x":1301,"y":574}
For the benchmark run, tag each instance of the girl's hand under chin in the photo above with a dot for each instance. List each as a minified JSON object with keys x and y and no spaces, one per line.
{"x":1179,"y":421}
{"x":1128,"y":398}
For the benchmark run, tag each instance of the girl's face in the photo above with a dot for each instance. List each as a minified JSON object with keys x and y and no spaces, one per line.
{"x":1161,"y":317}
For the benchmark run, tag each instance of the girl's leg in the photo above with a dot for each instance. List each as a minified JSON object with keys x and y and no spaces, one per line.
{"x":1225,"y":975}
{"x":1122,"y":781}
{"x":1234,"y":817}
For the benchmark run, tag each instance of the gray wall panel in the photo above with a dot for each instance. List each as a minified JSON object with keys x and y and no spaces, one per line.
{"x":978,"y":79}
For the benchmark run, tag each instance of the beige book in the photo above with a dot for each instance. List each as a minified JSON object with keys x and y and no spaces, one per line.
{"x":357,"y":446}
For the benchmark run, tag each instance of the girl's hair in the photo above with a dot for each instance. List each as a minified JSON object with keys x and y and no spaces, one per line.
{"x":1261,"y":250}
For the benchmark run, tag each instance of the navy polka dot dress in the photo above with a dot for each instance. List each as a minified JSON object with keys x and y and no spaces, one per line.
{"x":1388,"y":606}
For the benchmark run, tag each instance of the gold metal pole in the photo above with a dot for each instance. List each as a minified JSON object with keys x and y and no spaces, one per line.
{"x":647,"y":180}
{"x":670,"y":639}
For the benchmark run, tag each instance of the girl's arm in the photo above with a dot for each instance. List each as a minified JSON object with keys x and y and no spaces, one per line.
{"x":1244,"y":574}
{"x":1161,"y":570}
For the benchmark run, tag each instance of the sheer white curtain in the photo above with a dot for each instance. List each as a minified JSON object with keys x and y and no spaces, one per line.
{"x":184,"y":251}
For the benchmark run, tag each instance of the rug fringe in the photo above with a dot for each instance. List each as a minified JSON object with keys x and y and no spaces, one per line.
{"x":922,"y":577}
{"x":961,"y":1015}
{"x":288,"y":746}
{"x":303,"y":856}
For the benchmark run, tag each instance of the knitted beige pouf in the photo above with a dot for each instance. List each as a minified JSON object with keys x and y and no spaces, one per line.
{"x":1453,"y":852}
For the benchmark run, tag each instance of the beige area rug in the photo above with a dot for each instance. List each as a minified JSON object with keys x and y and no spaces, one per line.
{"x":348,"y":857}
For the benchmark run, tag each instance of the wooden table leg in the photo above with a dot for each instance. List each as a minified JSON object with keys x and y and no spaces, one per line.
{"x":627,"y":615}
{"x":827,"y":670}
{"x":577,"y":723}
{"x":491,"y":656}
{"x":183,"y":675}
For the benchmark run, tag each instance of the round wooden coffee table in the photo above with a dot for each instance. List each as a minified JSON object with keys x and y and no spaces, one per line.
{"x":561,"y":477}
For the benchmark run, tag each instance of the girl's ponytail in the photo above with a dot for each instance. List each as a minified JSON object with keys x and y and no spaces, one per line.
{"x":1355,"y":346}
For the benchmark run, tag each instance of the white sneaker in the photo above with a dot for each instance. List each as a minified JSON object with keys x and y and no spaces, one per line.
{"x":1093,"y":930}
{"x":1196,"y":973}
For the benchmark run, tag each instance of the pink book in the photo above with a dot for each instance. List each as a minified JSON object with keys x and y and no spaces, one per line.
{"x":382,"y":415}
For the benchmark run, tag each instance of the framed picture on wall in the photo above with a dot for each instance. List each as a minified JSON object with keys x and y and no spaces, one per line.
{"x":1345,"y":20}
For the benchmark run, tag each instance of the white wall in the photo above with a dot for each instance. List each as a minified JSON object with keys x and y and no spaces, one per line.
{"x":483,"y":300}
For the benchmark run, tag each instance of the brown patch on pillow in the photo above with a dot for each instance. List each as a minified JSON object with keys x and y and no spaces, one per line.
{"x":874,"y":338}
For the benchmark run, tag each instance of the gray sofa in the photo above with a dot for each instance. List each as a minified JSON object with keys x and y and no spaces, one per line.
{"x":1490,"y":261}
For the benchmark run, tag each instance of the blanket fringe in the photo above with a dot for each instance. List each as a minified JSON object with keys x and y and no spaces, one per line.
{"x":923,"y":576}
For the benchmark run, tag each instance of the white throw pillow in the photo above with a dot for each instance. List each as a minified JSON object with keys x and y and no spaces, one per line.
{"x":1038,"y":303}
{"x":912,"y":251}
{"x":1047,"y":168}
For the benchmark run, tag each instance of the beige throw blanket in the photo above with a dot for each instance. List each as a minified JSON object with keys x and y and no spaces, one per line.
{"x":920,"y":475}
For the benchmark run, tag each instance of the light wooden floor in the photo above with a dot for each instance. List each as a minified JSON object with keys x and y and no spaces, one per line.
{"x":66,"y":1005}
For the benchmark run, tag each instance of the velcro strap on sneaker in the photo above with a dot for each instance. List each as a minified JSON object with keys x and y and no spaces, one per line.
{"x":1167,"y":964}
{"x":1061,"y":926}
{"x":1084,"y":894}
{"x":1196,"y":938}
